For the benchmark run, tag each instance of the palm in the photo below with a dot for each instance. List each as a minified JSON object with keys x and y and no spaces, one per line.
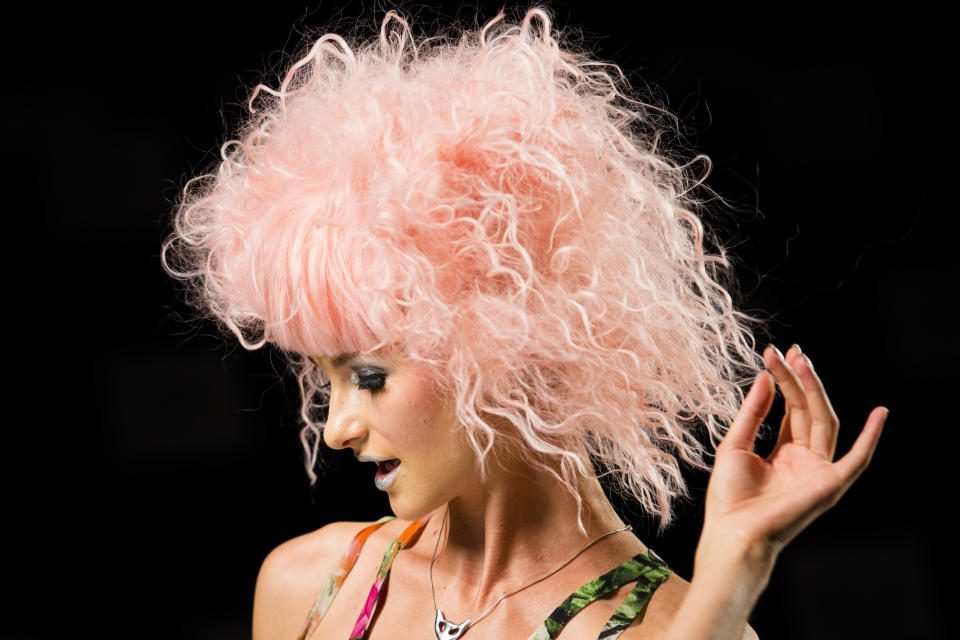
{"x":770,"y":500}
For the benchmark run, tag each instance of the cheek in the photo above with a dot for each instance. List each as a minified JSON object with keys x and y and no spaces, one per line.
{"x":416,"y":424}
{"x":435,"y":438}
{"x":423,"y":416}
{"x":427,"y":432}
{"x":430,"y":432}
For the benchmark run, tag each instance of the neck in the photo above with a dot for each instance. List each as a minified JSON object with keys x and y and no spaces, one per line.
{"x":510,"y":530}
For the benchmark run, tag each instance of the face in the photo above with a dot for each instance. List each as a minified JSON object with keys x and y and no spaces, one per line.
{"x":389,"y":412}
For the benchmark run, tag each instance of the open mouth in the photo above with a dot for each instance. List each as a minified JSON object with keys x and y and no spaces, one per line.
{"x":386,"y":472}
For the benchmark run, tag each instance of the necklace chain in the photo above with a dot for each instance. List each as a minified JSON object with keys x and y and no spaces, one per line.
{"x":469,"y":623}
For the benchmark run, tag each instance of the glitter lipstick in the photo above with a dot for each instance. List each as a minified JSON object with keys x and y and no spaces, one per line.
{"x":386,"y":472}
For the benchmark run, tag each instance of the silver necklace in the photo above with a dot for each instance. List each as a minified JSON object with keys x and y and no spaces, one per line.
{"x":447,"y":630}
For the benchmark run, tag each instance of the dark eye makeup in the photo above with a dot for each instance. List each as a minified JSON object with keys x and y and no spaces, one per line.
{"x":368,"y":378}
{"x":365,"y":377}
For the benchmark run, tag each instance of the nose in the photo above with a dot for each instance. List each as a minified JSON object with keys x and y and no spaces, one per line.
{"x":344,"y":427}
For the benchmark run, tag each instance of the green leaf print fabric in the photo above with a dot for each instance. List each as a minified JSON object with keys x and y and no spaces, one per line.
{"x":648,"y":569}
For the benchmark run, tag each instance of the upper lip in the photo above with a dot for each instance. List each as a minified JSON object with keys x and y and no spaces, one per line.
{"x":373,"y":459}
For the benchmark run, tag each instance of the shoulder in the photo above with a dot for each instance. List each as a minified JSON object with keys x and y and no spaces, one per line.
{"x":661,"y":610}
{"x":291,"y":576}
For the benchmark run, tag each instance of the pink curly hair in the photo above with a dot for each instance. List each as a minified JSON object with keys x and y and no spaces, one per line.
{"x":491,"y":204}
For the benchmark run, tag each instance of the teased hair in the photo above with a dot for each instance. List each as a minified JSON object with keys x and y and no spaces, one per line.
{"x":497,"y":205}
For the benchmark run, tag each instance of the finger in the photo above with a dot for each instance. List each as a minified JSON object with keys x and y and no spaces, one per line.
{"x":858,"y":458}
{"x":783,"y":436}
{"x":794,"y":396}
{"x":824,"y":424}
{"x":743,"y":432}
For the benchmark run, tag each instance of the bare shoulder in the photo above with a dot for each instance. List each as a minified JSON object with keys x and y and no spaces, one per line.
{"x":661,"y":610}
{"x":291,"y":576}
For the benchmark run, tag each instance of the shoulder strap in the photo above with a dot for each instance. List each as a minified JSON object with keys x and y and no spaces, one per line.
{"x":645,"y":567}
{"x":370,"y":606}
{"x":636,"y":601}
{"x":335,"y":581}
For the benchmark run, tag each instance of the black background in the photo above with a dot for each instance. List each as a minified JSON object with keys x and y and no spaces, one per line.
{"x":151,"y":464}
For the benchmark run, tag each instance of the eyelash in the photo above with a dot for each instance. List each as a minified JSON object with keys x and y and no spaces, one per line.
{"x":371,"y":381}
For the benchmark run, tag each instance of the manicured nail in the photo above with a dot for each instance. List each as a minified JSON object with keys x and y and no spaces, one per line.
{"x":777,"y":351}
{"x":883,"y":420}
{"x":796,"y":347}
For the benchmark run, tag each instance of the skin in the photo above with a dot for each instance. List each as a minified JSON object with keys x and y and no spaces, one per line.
{"x":496,"y":534}
{"x":402,"y":415}
{"x":755,"y":506}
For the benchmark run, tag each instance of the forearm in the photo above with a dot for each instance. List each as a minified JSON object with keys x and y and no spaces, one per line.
{"x":728,"y":579}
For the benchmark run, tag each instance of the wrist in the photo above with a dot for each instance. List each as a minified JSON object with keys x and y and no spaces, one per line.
{"x":729,"y":574}
{"x":733,"y":558}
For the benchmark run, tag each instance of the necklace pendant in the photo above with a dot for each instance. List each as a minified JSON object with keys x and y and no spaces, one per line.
{"x":447,"y":630}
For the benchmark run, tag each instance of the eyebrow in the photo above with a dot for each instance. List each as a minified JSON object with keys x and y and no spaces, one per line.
{"x":343,"y":357}
{"x":336,"y":362}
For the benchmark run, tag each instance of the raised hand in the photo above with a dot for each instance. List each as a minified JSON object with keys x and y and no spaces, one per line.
{"x":768,"y":501}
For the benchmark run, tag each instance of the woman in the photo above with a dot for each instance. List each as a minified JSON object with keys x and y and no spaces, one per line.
{"x":494,"y":285}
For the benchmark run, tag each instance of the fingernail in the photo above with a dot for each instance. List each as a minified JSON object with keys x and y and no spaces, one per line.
{"x":797,"y":347}
{"x":777,"y":351}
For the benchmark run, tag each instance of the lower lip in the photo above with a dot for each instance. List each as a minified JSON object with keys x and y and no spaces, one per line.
{"x":384,"y":480}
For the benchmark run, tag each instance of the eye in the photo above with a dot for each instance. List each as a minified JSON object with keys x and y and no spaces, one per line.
{"x":367,"y":378}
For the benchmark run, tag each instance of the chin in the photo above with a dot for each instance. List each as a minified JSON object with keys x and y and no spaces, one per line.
{"x":406,"y":509}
